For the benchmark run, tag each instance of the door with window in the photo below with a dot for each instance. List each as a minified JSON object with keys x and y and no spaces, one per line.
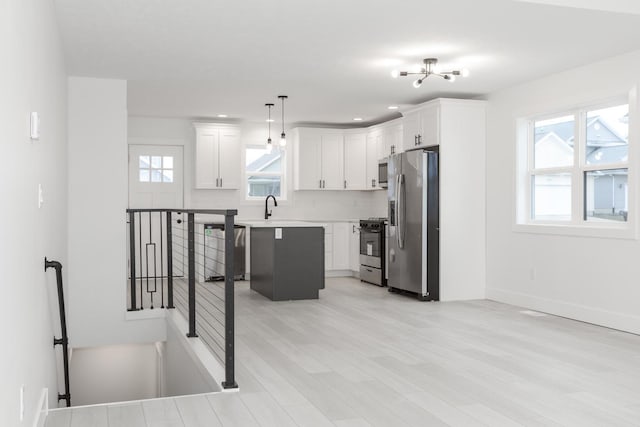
{"x":156,"y":182}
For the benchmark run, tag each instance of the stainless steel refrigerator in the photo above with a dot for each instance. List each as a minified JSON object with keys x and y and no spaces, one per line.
{"x":414,"y":223}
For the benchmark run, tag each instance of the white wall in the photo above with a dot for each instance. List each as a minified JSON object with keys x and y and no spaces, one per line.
{"x":97,"y":219}
{"x":114,"y":373}
{"x":183,"y":365}
{"x":32,"y":78}
{"x":590,"y":279}
{"x":317,"y":205}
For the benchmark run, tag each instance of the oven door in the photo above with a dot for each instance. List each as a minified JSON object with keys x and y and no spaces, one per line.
{"x":371,"y":247}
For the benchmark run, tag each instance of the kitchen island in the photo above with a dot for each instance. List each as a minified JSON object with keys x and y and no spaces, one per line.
{"x":287,"y":259}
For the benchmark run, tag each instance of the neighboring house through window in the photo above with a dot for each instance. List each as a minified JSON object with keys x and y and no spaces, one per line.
{"x":576,"y":168}
{"x":264,"y":172}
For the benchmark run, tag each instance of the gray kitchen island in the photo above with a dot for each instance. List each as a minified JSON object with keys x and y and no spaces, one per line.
{"x":287,"y":259}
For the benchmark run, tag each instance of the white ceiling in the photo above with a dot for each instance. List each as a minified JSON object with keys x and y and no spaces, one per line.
{"x":200,"y":58}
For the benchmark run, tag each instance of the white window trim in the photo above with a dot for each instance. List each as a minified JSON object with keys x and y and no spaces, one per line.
{"x":577,"y":226}
{"x":283,"y":176}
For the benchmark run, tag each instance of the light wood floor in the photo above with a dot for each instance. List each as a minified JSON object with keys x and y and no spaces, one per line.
{"x":360,"y":356}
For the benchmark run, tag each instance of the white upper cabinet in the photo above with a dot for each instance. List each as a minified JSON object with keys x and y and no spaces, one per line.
{"x":374,"y":148}
{"x":318,"y":162}
{"x":217,"y":156}
{"x":421,"y":127}
{"x":391,"y":140}
{"x":307,"y":147}
{"x":356,"y":162}
{"x":332,"y":165}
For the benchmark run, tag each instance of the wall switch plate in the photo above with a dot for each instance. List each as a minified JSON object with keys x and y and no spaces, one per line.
{"x":40,"y":196}
{"x":278,"y":233}
{"x":35,"y":125}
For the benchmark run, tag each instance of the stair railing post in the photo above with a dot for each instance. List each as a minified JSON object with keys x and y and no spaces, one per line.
{"x":169,"y":261}
{"x":132,"y":259}
{"x":229,"y":325}
{"x":192,"y":274}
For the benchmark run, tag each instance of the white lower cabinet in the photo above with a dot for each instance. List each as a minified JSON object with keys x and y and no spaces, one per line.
{"x":340,"y":246}
{"x":354,"y":246}
{"x":337,"y":247}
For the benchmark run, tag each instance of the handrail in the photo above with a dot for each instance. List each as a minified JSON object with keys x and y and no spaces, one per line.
{"x":64,"y":341}
{"x":188,"y":211}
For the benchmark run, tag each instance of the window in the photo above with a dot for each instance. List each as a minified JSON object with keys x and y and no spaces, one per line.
{"x":577,"y":168}
{"x":264,"y":172}
{"x":155,"y":168}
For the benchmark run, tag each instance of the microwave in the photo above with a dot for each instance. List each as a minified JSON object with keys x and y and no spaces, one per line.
{"x":383,"y":174}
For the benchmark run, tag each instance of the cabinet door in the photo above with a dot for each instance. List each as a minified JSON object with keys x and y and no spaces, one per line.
{"x":332,"y":163}
{"x":355,"y":161}
{"x":374,"y":141}
{"x":229,"y":159}
{"x":308,"y":148}
{"x":411,"y":130}
{"x":430,"y":126}
{"x":206,"y":158}
{"x":391,"y":141}
{"x":341,"y":246}
{"x":354,"y":246}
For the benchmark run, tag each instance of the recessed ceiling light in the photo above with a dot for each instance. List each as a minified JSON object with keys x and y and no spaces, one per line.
{"x":270,"y":120}
{"x":357,"y":119}
{"x":392,"y":107}
{"x":222,"y":116}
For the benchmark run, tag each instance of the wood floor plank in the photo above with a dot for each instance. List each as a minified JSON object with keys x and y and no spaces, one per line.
{"x":94,"y":416}
{"x":266,"y":410}
{"x":126,"y":415}
{"x":161,"y":413}
{"x":58,"y":419}
{"x":231,"y":410}
{"x":195,"y":411}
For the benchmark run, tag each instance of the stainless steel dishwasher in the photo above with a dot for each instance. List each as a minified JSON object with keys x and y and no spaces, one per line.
{"x":214,"y":261}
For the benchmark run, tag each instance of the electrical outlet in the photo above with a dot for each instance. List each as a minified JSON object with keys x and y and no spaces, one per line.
{"x":22,"y":403}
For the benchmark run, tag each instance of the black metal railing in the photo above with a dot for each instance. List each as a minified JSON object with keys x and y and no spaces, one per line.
{"x":64,"y":340}
{"x":166,"y":264}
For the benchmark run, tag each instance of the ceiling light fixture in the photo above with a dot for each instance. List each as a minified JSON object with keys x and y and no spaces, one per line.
{"x":222,"y":116}
{"x":392,"y":107}
{"x":269,"y":144}
{"x":428,"y":69}
{"x":357,"y":119}
{"x":283,"y":137}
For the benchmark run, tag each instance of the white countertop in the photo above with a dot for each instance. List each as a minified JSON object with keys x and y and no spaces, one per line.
{"x":278,"y":223}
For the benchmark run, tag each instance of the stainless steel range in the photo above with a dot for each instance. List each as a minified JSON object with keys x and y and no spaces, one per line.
{"x":372,"y":251}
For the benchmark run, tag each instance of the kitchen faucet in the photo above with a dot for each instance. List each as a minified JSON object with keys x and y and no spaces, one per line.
{"x":267,"y":212}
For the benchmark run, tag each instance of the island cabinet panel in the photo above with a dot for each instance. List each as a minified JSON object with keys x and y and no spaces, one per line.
{"x":287,"y":263}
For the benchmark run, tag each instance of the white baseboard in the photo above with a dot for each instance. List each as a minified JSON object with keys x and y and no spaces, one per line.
{"x":42,"y":409}
{"x":338,"y":273}
{"x":610,"y":319}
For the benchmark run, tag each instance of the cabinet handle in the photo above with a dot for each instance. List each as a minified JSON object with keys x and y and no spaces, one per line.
{"x":415,"y":140}
{"x":220,"y":182}
{"x":419,"y":139}
{"x":345,"y":183}
{"x":324,"y":184}
{"x":393,"y":149}
{"x":373,"y":183}
{"x":320,"y":184}
{"x":217,"y":181}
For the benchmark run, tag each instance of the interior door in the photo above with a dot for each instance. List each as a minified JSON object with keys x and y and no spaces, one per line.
{"x":155,"y":182}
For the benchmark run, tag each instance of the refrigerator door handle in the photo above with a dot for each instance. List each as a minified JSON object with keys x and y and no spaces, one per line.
{"x":401,"y":211}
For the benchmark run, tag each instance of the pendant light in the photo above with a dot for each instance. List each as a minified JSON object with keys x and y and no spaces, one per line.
{"x":283,"y":137}
{"x":269,"y":144}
